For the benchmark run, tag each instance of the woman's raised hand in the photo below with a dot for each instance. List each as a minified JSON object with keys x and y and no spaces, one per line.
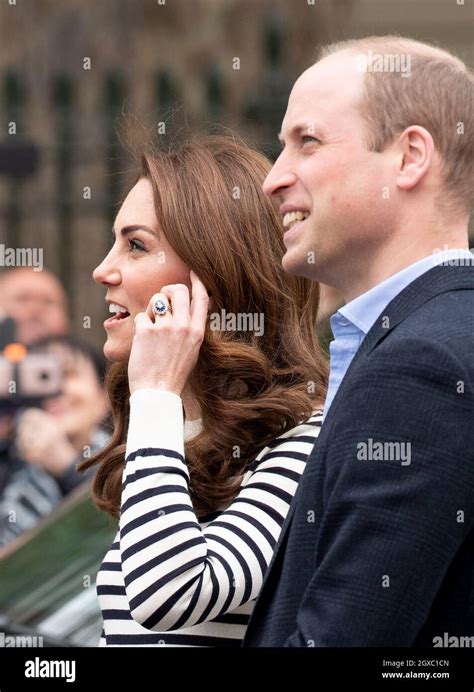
{"x":165,"y":347}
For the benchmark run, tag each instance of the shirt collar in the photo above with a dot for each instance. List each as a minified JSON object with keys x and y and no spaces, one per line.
{"x":364,"y":310}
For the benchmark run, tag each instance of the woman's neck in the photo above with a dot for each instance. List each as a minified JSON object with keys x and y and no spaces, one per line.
{"x":191,"y":406}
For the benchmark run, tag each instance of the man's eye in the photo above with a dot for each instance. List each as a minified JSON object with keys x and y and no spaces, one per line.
{"x":308,"y":138}
{"x":135,"y":245}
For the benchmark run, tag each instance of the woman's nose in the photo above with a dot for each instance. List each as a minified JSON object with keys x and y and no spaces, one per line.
{"x":106,"y":272}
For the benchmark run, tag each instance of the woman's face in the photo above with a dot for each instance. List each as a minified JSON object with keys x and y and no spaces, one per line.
{"x":82,"y":404}
{"x":139,"y":264}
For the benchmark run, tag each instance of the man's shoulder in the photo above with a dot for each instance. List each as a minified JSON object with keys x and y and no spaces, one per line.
{"x":432,"y":340}
{"x":437,"y":305}
{"x":444,"y":319}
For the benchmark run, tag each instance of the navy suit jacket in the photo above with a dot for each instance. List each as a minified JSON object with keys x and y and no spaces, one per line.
{"x":376,"y":552}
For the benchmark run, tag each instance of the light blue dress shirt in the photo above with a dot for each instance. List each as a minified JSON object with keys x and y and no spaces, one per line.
{"x":351,"y":323}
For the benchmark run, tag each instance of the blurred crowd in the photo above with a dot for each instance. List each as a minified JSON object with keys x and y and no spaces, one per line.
{"x":53,"y":406}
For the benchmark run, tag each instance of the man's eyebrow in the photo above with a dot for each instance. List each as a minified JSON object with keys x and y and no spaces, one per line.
{"x":307,"y":128}
{"x":126,"y":230}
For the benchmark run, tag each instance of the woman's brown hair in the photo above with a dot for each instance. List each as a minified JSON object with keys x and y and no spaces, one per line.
{"x":251,"y":388}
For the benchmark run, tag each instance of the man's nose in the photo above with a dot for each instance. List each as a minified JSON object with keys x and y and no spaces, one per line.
{"x":107,"y":272}
{"x":279,"y":178}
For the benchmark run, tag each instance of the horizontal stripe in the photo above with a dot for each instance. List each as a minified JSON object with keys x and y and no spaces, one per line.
{"x":154,"y":452}
{"x":170,"y":640}
{"x":142,"y":521}
{"x":144,"y":473}
{"x":151,"y":492}
{"x":196,"y":579}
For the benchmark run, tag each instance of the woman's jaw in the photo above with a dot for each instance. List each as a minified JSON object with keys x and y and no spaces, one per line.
{"x":118,"y":346}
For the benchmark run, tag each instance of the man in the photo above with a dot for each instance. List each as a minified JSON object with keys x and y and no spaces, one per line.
{"x":378,"y":549}
{"x":36,"y":301}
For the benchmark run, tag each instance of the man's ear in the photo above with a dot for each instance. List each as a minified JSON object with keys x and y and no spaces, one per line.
{"x":416,"y":149}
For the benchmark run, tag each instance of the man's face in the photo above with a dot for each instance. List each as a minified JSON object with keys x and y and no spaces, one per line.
{"x":36,"y":301}
{"x":326,"y":172}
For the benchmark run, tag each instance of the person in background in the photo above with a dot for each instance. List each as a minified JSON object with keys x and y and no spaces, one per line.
{"x":49,"y":441}
{"x":37,"y":304}
{"x":36,"y":301}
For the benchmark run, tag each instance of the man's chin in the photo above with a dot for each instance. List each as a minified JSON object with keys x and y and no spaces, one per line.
{"x":296,"y":264}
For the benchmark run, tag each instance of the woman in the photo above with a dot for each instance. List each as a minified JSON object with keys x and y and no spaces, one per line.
{"x":201,"y":501}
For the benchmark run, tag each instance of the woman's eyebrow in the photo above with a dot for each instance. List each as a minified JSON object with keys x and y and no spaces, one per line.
{"x":126,"y":230}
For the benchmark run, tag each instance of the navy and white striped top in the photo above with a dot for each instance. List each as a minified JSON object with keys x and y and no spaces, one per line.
{"x":168,"y":579}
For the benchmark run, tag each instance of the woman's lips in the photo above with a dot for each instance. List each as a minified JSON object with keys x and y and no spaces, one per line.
{"x":115,"y":320}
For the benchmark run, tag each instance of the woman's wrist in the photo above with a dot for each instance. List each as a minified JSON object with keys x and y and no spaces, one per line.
{"x":150,"y":394}
{"x":156,"y":421}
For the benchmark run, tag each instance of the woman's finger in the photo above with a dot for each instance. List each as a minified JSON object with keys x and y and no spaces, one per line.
{"x":178,"y":297}
{"x":142,"y":320}
{"x":158,"y":299}
{"x":199,"y":302}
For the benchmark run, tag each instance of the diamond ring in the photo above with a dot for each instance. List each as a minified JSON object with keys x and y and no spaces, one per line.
{"x":160,"y":307}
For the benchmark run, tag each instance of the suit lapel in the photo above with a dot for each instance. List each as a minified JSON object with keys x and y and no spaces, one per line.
{"x":436,"y":281}
{"x":440,"y":279}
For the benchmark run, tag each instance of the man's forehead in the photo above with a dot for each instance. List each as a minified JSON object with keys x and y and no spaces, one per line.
{"x":31,"y":282}
{"x":343,"y":66}
{"x":323,"y":91}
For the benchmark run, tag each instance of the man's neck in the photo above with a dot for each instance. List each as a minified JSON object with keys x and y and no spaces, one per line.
{"x":390,"y":260}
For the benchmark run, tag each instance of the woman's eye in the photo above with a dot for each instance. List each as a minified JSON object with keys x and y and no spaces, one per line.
{"x":135,"y":245}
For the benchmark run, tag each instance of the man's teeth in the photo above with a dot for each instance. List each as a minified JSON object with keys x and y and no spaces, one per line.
{"x":293,"y":217}
{"x":113,"y":307}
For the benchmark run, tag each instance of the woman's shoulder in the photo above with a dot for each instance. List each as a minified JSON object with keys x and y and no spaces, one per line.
{"x":316,"y":418}
{"x":306,"y":428}
{"x":280,"y":464}
{"x":294,"y":445}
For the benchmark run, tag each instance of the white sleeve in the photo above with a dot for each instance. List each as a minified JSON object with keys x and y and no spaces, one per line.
{"x":177,"y":574}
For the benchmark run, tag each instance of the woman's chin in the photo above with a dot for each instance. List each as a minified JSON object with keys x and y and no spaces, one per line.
{"x":116,"y":353}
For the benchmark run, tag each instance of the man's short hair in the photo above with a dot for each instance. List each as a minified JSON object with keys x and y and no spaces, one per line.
{"x":437,"y":94}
